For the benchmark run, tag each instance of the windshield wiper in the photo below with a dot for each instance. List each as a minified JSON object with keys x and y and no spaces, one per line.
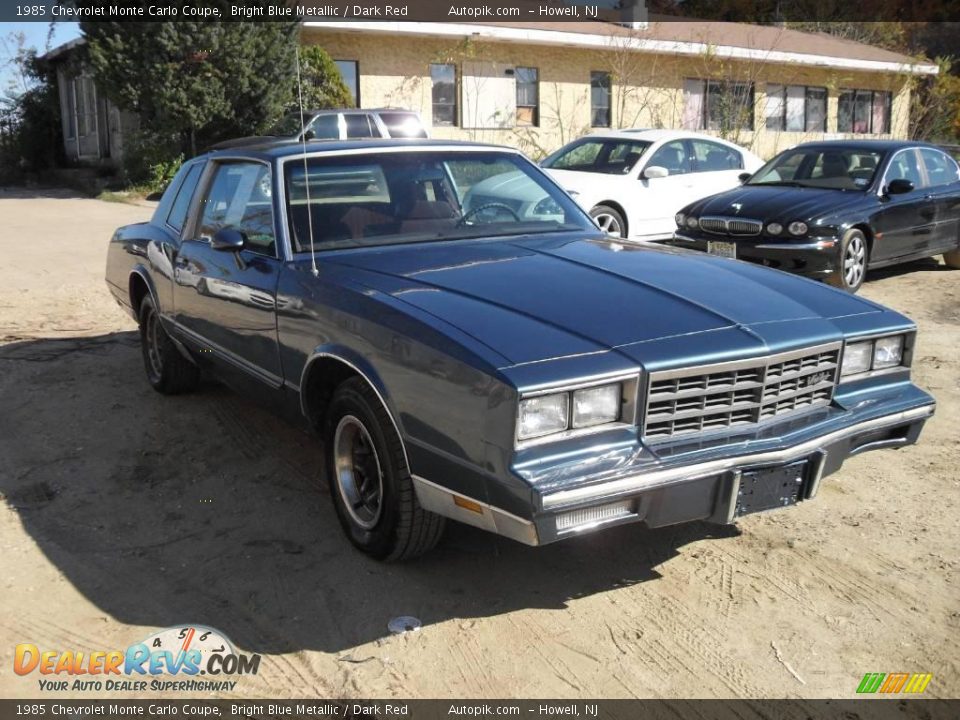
{"x":780,"y":183}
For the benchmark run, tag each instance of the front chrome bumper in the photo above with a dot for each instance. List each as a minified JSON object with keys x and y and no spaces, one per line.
{"x":705,"y":490}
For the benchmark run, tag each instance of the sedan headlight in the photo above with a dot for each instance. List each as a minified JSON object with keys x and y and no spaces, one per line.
{"x":879,"y":354}
{"x":888,"y":352}
{"x":797,"y":228}
{"x":692,"y":222}
{"x":595,"y":406}
{"x":543,"y":415}
{"x":680,"y":218}
{"x":774,"y":229}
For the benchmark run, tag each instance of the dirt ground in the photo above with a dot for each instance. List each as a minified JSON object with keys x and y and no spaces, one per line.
{"x":126,"y":512}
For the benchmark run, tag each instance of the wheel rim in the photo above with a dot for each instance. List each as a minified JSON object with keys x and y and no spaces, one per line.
{"x":608,"y":223}
{"x":854,"y":261}
{"x":152,"y":342}
{"x":358,"y":474}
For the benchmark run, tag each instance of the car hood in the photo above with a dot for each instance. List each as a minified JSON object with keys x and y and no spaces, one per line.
{"x":780,"y":204}
{"x":536,"y":298}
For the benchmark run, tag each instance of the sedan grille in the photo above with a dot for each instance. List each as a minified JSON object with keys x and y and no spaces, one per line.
{"x":730,"y":226}
{"x":695,"y":400}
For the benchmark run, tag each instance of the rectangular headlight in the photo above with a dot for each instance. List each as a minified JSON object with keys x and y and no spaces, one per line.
{"x":888,"y":352}
{"x":596,"y":405}
{"x":857,"y":358}
{"x":543,"y":415}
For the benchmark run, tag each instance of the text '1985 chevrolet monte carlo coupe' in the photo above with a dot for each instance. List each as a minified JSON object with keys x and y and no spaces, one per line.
{"x":469,"y":345}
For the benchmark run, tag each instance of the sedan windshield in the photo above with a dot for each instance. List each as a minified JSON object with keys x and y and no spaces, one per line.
{"x":835,"y":168}
{"x":419,"y":196}
{"x":598,"y":155}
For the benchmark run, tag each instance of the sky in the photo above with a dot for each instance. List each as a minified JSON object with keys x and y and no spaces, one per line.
{"x":36,"y":35}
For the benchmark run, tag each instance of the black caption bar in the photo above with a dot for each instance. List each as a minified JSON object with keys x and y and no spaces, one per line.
{"x":885,"y":709}
{"x":630,"y":11}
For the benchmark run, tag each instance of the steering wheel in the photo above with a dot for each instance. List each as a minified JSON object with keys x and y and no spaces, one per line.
{"x":486,"y":206}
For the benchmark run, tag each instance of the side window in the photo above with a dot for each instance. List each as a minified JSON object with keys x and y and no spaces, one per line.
{"x":710,"y":156}
{"x":941,"y":169}
{"x":178,"y":210}
{"x":360,"y":126}
{"x":673,"y":157}
{"x":325,"y":127}
{"x":240,"y":198}
{"x":904,"y":165}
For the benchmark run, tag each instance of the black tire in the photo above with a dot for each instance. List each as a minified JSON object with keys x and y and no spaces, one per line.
{"x":851,"y":265}
{"x":168,"y":371}
{"x":607,"y":217}
{"x":393,"y":527}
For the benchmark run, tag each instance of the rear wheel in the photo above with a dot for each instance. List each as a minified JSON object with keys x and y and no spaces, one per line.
{"x":851,"y":266}
{"x":168,"y":371}
{"x":609,"y":220}
{"x":370,"y":484}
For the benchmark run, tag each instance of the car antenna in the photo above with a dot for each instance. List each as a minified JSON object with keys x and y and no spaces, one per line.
{"x":306,"y":179}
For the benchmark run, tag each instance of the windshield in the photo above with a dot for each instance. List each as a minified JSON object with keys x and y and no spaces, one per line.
{"x":409,"y":197}
{"x":835,"y":168}
{"x":597,"y":155}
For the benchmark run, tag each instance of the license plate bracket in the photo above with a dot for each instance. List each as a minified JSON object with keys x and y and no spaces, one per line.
{"x":771,"y":487}
{"x":722,"y":249}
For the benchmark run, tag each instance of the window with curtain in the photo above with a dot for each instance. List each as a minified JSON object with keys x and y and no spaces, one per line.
{"x":528,"y":96}
{"x":600,"y":99}
{"x":864,"y":112}
{"x":717,"y":105}
{"x":350,"y":72}
{"x":444,"y":78}
{"x":796,"y":108}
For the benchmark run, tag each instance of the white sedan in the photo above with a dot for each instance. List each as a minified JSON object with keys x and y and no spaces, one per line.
{"x":633,"y":182}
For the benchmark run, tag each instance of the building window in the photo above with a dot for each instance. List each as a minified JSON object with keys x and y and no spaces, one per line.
{"x":350,"y":72}
{"x":796,"y":108}
{"x":600,"y":99}
{"x":71,"y":108}
{"x":444,"y":79}
{"x":863,"y":112}
{"x":528,"y":96}
{"x":717,"y":105}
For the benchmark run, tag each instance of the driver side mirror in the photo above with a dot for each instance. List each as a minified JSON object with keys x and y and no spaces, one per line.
{"x":743,"y":177}
{"x":228,"y":239}
{"x":899,"y":186}
{"x":655,"y":171}
{"x":309,"y":135}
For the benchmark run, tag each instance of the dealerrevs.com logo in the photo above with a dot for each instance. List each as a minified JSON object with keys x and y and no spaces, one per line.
{"x":168,"y":661}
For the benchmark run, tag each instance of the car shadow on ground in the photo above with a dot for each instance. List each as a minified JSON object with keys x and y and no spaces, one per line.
{"x":206,"y":509}
{"x":914,"y":266}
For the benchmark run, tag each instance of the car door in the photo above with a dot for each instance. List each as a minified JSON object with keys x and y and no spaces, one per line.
{"x":943,"y":187}
{"x":225,"y":301}
{"x":904,"y":223}
{"x":661,"y":198}
{"x":716,"y":168}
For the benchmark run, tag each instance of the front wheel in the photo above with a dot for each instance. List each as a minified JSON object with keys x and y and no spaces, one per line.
{"x":370,"y":484}
{"x":851,"y":266}
{"x":609,"y":220}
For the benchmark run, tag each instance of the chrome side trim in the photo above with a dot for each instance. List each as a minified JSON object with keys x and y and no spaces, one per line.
{"x":636,"y":483}
{"x":358,"y":371}
{"x":440,"y":500}
{"x":264,"y":376}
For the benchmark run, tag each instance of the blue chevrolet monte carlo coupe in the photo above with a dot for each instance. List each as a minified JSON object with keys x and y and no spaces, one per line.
{"x":469,"y":345}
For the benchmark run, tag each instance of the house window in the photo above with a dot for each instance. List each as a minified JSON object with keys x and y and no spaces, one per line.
{"x":350,"y":72}
{"x":796,"y":108}
{"x":863,"y":112}
{"x":444,"y":79}
{"x":600,"y":99}
{"x":528,"y":96}
{"x":71,"y":109}
{"x":717,"y":105}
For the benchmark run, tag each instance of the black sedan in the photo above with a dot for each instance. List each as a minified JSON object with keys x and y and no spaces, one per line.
{"x":831,"y":210}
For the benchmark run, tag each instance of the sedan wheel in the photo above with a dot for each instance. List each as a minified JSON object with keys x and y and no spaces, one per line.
{"x":168,"y":371}
{"x":358,"y":474}
{"x":852,"y":263}
{"x":609,"y":220}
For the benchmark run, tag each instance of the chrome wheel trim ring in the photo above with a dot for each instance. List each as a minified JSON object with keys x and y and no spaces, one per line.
{"x":152,"y":340}
{"x":356,"y":462}
{"x":609,"y":224}
{"x":854,"y":261}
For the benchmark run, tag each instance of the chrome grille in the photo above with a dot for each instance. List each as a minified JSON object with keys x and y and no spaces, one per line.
{"x":694,"y":400}
{"x":730,"y":226}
